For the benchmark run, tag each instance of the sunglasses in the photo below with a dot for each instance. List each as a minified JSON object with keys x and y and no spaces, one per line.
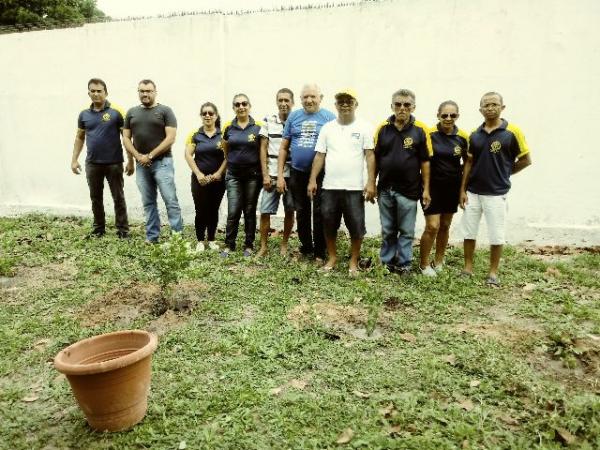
{"x":452,"y":116}
{"x":238,"y":104}
{"x":345,"y":101}
{"x":405,"y":104}
{"x":207,"y":113}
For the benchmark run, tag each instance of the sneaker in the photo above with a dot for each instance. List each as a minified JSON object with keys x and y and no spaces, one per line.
{"x":247,"y":252}
{"x":224,"y":253}
{"x":213,"y":245}
{"x":428,"y":271}
{"x":439,"y":268}
{"x":200,"y":247}
{"x":492,"y":281}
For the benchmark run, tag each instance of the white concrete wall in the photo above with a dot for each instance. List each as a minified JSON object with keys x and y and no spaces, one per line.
{"x":542,"y":55}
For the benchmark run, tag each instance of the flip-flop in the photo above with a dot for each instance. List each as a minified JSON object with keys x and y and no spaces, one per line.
{"x":492,"y":281}
{"x":466,"y":274}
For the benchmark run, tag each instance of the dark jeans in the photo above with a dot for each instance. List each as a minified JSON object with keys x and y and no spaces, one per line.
{"x":298,"y":186}
{"x":207,"y":200}
{"x":95,"y":174}
{"x":243,"y":188}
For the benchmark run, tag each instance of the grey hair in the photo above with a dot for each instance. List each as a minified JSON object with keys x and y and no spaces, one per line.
{"x":404,"y":93}
{"x":311,"y":86}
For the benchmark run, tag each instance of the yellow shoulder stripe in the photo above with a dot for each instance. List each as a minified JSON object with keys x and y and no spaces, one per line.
{"x":427,"y":131}
{"x":190,"y":137}
{"x":524,"y":149}
{"x":118,"y":109}
{"x":377,"y":130}
{"x":260,"y":123}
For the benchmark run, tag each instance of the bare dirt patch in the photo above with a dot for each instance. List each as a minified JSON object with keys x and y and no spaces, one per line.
{"x":121,"y":306}
{"x":551,"y":253}
{"x":337,"y":319}
{"x":35,"y":278}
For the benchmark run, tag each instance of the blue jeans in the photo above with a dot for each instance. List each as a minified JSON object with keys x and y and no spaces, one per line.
{"x":398,"y":215}
{"x":161,"y":175}
{"x":243,"y":188}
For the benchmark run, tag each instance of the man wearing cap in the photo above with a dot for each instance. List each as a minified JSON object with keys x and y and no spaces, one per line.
{"x":343,"y":145}
{"x":100,"y":125}
{"x":270,"y":134}
{"x":148,"y":134}
{"x":402,"y":153}
{"x":497,"y":150}
{"x":299,"y":139}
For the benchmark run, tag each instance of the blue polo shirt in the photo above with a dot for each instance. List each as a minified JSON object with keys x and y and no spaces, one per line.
{"x":302,"y":130}
{"x":243,"y":145}
{"x":448,"y":152}
{"x":399,"y":154}
{"x":493,"y":157}
{"x":208,"y":154}
{"x":102,"y":133}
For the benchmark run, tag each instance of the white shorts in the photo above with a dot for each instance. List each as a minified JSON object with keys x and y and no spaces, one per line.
{"x":494,"y":209}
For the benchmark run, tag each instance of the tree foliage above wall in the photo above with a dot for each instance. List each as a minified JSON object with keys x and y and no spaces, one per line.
{"x":48,"y":13}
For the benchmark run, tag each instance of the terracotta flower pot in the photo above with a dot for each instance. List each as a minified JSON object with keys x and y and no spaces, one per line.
{"x":110,"y":377}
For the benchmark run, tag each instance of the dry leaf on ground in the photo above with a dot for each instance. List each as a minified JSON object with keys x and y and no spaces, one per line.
{"x":408,"y":337}
{"x":474,"y":383}
{"x":298,"y":384}
{"x":345,"y":436}
{"x":508,"y":420}
{"x":466,"y":404}
{"x":552,"y":271}
{"x":388,"y":410}
{"x":565,"y":436}
{"x":31,"y":398}
{"x":182,"y":445}
{"x":450,"y":359}
{"x":276,"y":391}
{"x":361,"y":394}
{"x":529,"y":287}
{"x":41,"y":344}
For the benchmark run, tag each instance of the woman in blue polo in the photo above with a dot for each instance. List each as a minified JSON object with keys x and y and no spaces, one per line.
{"x":449,"y":151}
{"x":204,"y":155}
{"x":241,"y":146}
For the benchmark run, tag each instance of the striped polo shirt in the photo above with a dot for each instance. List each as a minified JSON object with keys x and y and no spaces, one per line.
{"x":272,"y":129}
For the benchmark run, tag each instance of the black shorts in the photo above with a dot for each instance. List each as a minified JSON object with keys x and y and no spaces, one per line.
{"x":350,"y":205}
{"x":444,"y":197}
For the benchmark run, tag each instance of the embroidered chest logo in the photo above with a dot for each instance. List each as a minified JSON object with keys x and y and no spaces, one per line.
{"x":251,"y":137}
{"x":457,"y":150}
{"x":356,"y":136}
{"x":495,"y":147}
{"x":219,"y":145}
{"x":408,"y":142}
{"x":105,"y":117}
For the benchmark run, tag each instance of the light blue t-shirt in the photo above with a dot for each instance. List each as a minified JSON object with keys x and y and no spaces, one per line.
{"x":302,"y":130}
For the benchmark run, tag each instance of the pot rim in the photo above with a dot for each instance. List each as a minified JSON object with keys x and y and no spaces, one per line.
{"x":105,"y":366}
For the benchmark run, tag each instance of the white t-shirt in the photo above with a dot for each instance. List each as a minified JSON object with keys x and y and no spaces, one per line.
{"x":344,"y":146}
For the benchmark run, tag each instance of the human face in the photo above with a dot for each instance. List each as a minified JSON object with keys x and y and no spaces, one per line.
{"x":284,"y":103}
{"x":491,"y":107}
{"x":447,"y":117}
{"x":147,"y":94}
{"x":311,"y":99}
{"x":241,"y":107}
{"x":346,"y":107}
{"x":209,"y":116}
{"x":97,"y":94}
{"x":402,"y":106}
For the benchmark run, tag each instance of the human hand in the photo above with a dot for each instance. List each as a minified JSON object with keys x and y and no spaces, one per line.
{"x":75,"y":167}
{"x":129,"y":168}
{"x":426,"y":199}
{"x":463,"y":199}
{"x":370,"y":192}
{"x":281,"y":185}
{"x":267,"y":186}
{"x":311,"y":190}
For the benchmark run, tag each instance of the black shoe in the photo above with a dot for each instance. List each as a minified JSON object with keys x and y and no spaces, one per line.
{"x":94,"y":235}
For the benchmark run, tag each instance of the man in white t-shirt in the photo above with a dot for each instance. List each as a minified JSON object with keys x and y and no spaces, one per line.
{"x":342,"y":147}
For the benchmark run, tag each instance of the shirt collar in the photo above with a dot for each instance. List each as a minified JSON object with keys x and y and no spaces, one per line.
{"x":454,"y":130}
{"x":392,"y":121}
{"x":503,"y":125}
{"x":234,"y":122}
{"x":106,"y":106}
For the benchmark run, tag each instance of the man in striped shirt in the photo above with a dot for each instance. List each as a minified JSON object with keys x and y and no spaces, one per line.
{"x":270,"y":134}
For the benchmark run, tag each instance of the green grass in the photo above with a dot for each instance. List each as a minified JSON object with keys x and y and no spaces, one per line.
{"x":259,"y":364}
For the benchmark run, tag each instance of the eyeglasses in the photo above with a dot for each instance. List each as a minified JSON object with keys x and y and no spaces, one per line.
{"x":452,"y":116}
{"x":345,"y":101}
{"x":238,"y":104}
{"x":400,"y":104}
{"x":207,"y":113}
{"x":145,"y":91}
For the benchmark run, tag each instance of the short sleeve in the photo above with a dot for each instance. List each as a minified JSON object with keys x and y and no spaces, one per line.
{"x":321,"y":145}
{"x":368,"y":138}
{"x":287,"y":129}
{"x":80,"y":122}
{"x":264,"y":129}
{"x":425,"y":150}
{"x":127,"y":121}
{"x":520,"y":147}
{"x":170,"y":120}
{"x":190,"y":138}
